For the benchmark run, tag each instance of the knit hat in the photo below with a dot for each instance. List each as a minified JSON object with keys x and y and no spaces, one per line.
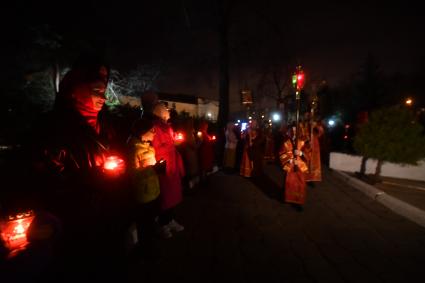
{"x":141,"y":127}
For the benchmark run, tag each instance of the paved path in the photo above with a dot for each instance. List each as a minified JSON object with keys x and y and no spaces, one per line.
{"x":238,"y":230}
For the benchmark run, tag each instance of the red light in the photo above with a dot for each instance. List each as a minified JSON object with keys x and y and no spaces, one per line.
{"x":300,"y":80}
{"x":114,"y":164}
{"x":347,"y":126}
{"x":345,"y":137}
{"x":14,"y":230}
{"x":213,"y":138}
{"x":179,"y":137}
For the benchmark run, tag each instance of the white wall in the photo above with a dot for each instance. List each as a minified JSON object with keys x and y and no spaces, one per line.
{"x":192,"y":109}
{"x":351,"y":163}
{"x":208,"y":106}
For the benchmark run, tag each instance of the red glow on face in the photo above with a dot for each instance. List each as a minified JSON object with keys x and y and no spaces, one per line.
{"x":179,"y":137}
{"x":14,"y":230}
{"x":114,"y":164}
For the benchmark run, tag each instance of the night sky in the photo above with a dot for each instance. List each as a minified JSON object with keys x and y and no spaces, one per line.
{"x":330,"y":39}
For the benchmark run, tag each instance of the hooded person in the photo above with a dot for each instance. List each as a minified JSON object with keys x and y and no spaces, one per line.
{"x":83,"y":89}
{"x":70,"y":157}
{"x":74,"y":123}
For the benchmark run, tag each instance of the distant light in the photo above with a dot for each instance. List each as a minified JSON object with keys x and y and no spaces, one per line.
{"x":276,"y":117}
{"x":209,"y":114}
{"x":347,"y":126}
{"x":331,"y":122}
{"x":345,"y":137}
{"x":270,"y":121}
{"x":236,"y":124}
{"x":262,"y":116}
{"x":249,"y":117}
{"x":239,"y":121}
{"x":409,"y":101}
{"x":243,"y":127}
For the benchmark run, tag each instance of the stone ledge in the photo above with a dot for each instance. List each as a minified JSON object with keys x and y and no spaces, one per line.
{"x":400,"y":207}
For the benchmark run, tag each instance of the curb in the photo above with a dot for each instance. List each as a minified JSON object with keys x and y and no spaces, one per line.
{"x":400,"y":207}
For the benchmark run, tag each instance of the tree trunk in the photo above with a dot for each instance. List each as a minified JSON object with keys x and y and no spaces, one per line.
{"x":363,"y":166}
{"x":223,"y":112}
{"x":378,"y":169}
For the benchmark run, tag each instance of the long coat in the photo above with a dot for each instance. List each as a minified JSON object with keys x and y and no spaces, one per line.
{"x":170,"y":182}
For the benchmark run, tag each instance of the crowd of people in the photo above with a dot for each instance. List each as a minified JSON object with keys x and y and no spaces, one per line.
{"x":299,"y":155}
{"x":94,"y":185}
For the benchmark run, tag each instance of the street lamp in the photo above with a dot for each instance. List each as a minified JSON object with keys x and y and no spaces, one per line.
{"x":276,"y":117}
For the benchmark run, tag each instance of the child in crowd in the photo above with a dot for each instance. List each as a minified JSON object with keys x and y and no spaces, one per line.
{"x":144,"y":170}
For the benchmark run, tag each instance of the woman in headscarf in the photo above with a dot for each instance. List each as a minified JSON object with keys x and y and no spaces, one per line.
{"x":70,"y":155}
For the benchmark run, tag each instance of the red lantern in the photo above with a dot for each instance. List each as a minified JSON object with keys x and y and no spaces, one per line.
{"x":114,"y":165}
{"x":14,"y":230}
